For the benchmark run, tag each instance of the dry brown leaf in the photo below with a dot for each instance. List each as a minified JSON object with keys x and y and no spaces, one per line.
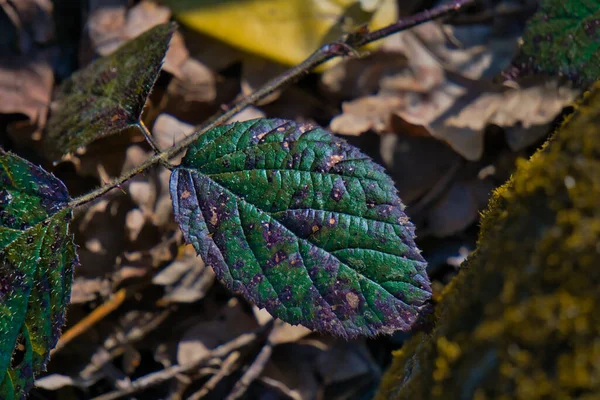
{"x":32,"y":20}
{"x":527,"y":108}
{"x":344,"y":362}
{"x":366,"y":114}
{"x":54,"y":382}
{"x":256,"y":71}
{"x":186,"y":279}
{"x":110,"y":25}
{"x":168,"y":131}
{"x":358,"y":77}
{"x":85,"y":290}
{"x":282,"y":332}
{"x":194,"y":83}
{"x":206,"y":335}
{"x":26,"y":87}
{"x":416,"y":163}
{"x":458,"y":208}
{"x":247,"y":114}
{"x":444,"y":90}
{"x":134,"y":223}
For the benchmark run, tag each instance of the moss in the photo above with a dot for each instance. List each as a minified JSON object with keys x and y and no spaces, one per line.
{"x":521,"y":320}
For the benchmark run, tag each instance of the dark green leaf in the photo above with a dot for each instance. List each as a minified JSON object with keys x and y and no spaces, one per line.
{"x":562,"y":39}
{"x":109,"y":94}
{"x":302,"y":224}
{"x":37,"y":256}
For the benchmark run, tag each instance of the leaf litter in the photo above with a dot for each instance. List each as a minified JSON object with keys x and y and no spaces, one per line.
{"x":425,"y":105}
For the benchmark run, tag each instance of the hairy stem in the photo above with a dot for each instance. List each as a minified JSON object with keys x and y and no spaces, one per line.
{"x":148,"y":136}
{"x":344,"y":46}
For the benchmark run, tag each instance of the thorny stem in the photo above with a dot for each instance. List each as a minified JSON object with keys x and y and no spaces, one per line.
{"x":344,"y":46}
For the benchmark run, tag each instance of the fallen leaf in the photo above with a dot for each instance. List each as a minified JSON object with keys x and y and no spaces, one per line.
{"x":458,"y":207}
{"x":54,"y":382}
{"x":186,"y":279}
{"x":372,"y":113}
{"x":206,"y":335}
{"x":85,"y":290}
{"x":134,"y":223}
{"x":168,"y":131}
{"x":26,"y":86}
{"x":109,"y":26}
{"x":444,"y":91}
{"x":32,"y":20}
{"x":287,"y":31}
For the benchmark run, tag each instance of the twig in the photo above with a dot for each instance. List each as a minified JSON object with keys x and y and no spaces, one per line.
{"x":164,"y":375}
{"x":252,"y":372}
{"x":91,"y":319}
{"x":114,"y":345}
{"x":229,"y":365}
{"x":344,"y":46}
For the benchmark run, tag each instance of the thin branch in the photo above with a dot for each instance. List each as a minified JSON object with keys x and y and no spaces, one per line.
{"x":90,"y":320}
{"x":166,"y":374}
{"x":345,"y":46}
{"x":253,"y":372}
{"x":228,"y":367}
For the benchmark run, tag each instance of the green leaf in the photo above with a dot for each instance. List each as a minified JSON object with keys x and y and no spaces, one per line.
{"x":109,"y":94}
{"x":37,"y":256}
{"x":302,"y":224}
{"x":562,"y":39}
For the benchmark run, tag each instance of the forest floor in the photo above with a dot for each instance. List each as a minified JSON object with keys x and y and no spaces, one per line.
{"x":147,"y":319}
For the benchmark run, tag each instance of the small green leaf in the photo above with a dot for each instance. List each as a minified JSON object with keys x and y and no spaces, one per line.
{"x":562,"y":39}
{"x":37,"y":256}
{"x":302,"y":224}
{"x":109,"y":94}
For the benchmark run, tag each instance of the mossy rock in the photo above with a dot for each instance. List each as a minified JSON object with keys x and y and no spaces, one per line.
{"x":522,"y":320}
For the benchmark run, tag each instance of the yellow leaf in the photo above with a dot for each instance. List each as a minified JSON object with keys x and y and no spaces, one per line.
{"x":286,"y":31}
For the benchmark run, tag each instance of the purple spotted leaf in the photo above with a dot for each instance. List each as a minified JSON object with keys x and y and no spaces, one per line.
{"x":302,"y":224}
{"x":37,"y":256}
{"x":562,"y":39}
{"x":108,"y":95}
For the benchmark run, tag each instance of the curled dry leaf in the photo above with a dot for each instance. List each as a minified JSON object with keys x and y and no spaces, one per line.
{"x":527,"y":108}
{"x":372,"y":113}
{"x":443,"y":90}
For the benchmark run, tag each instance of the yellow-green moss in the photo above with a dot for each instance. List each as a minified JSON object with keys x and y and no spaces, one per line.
{"x":522,"y":319}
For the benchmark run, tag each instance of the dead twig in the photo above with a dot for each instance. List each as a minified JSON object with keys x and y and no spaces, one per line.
{"x":164,"y":375}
